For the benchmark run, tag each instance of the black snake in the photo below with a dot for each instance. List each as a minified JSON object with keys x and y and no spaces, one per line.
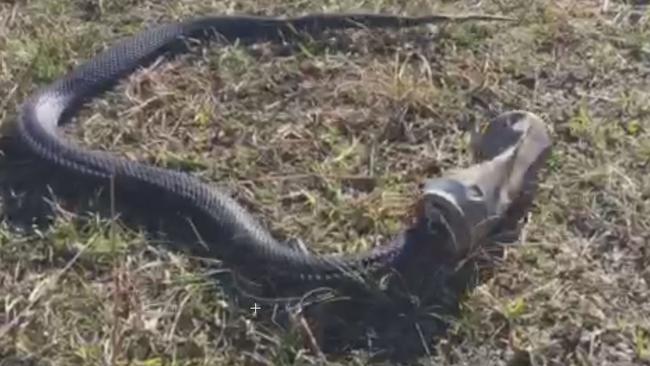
{"x":230,"y":232}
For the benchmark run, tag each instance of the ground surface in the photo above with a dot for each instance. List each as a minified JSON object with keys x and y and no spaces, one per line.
{"x":328,"y":144}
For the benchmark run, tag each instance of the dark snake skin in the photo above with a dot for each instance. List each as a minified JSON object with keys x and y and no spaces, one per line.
{"x":227,"y":230}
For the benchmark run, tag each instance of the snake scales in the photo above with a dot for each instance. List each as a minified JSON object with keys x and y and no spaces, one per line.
{"x":231,"y":234}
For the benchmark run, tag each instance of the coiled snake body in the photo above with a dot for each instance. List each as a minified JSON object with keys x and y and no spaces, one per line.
{"x":229,"y":231}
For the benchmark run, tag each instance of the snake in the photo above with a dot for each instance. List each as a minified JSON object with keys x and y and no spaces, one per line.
{"x":227,"y":230}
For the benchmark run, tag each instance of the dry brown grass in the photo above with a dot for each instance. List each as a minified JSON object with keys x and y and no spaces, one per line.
{"x":328,"y":144}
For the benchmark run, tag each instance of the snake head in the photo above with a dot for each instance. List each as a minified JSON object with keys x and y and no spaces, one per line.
{"x":492,"y":195}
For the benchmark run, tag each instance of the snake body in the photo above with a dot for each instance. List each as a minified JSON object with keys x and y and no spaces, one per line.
{"x":230,"y":232}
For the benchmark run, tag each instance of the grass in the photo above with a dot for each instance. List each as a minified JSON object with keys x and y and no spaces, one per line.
{"x":328,"y":143}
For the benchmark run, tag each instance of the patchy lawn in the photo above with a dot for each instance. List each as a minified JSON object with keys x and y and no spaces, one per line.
{"x":328,"y":142}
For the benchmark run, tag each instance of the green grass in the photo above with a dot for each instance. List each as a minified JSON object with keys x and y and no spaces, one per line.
{"x":328,"y":144}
